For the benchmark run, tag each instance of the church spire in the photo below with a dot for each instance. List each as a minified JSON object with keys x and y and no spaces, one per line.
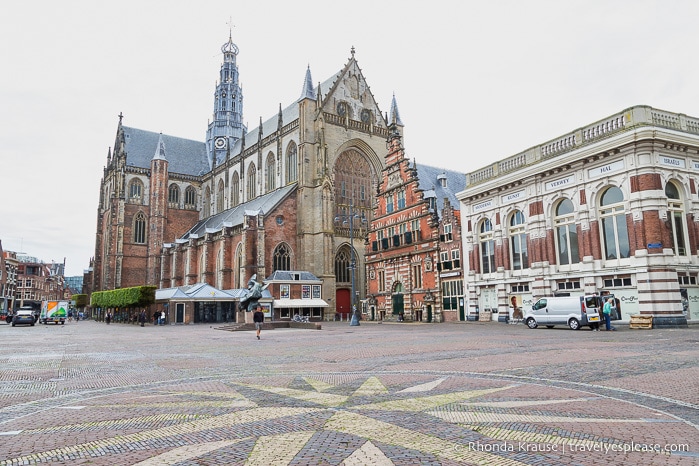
{"x":226,"y":127}
{"x":308,"y":92}
{"x":395,"y":116}
{"x":160,"y":150}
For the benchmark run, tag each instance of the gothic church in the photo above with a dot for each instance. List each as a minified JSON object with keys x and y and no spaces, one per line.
{"x":175,"y":212}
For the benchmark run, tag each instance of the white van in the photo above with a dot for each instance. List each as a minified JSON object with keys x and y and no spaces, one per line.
{"x":573,"y":311}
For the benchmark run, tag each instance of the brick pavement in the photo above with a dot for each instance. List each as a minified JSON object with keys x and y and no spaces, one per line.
{"x":377,"y":394}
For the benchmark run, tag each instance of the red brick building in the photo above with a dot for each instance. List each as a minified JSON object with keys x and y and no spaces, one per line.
{"x":414,"y":242}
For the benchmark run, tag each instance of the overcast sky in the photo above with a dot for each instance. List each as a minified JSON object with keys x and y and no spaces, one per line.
{"x":475,"y":81}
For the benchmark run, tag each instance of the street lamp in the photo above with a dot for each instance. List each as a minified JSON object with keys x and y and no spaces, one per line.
{"x":349,"y":218}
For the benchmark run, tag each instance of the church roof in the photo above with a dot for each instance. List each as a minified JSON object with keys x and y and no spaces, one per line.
{"x":236,"y":215}
{"x":184,"y":156}
{"x":440,"y":183}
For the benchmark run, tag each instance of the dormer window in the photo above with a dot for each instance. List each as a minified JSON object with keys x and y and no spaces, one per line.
{"x":442,"y":180}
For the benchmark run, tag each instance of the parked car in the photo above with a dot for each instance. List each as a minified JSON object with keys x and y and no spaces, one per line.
{"x":23,"y":316}
{"x":573,"y":311}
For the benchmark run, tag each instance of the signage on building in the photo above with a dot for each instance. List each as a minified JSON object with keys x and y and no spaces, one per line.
{"x":560,"y":183}
{"x":483,"y":205}
{"x":655,"y":245}
{"x":507,"y":198}
{"x":672,"y":161}
{"x":606,"y":169}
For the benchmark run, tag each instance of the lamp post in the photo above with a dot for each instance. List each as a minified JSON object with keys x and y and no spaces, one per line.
{"x":353,"y":260}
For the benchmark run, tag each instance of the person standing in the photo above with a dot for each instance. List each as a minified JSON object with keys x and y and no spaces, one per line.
{"x":607,"y":311}
{"x":162,"y":318}
{"x":258,"y":318}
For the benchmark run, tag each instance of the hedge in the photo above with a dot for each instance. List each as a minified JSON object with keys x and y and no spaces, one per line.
{"x":80,"y":300}
{"x":137,"y":296}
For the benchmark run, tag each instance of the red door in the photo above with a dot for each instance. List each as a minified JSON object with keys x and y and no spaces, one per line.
{"x":342,"y":298}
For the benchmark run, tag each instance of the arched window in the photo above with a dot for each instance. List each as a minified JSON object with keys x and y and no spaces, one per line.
{"x":270,"y":173}
{"x":282,"y":257}
{"x":239,"y":267}
{"x":202,"y":269}
{"x":486,"y":245}
{"x":342,"y":265}
{"x":566,"y":233}
{"x":139,"y":228}
{"x":190,"y":197}
{"x":235,"y":190}
{"x":518,"y":242}
{"x":354,"y":177}
{"x":291,"y":163}
{"x":207,"y":203}
{"x":220,"y":197}
{"x":173,"y":194}
{"x":677,"y":219}
{"x":219,"y":269}
{"x":252,"y":182}
{"x":615,"y":235}
{"x":136,"y":190}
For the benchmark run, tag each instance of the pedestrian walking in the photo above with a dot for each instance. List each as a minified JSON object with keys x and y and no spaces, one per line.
{"x":108,"y":317}
{"x":259,"y":318}
{"x":607,"y":311}
{"x":142,"y":317}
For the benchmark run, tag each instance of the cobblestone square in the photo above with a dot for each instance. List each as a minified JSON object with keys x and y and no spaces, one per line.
{"x":377,"y":394}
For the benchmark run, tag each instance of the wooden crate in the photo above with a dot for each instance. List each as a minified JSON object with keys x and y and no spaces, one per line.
{"x":641,"y":322}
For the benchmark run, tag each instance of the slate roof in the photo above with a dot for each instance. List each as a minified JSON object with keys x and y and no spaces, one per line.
{"x":200,"y":291}
{"x":184,"y":156}
{"x":236,"y":215}
{"x":289,"y":276}
{"x":429,"y":181}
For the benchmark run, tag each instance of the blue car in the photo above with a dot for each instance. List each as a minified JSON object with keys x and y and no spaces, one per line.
{"x":23,"y":317}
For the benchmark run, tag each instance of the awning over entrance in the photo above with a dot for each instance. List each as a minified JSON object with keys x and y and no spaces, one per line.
{"x":282,"y":303}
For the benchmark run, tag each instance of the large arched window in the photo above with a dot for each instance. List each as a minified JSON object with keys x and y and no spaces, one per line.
{"x":207,"y":203}
{"x":173,"y":194}
{"x":291,"y":163}
{"x":282,"y":257}
{"x":342,"y":265}
{"x":615,"y":235}
{"x":190,"y":197}
{"x":136,"y":190}
{"x":235,"y":190}
{"x":354,"y":178}
{"x":486,"y":244}
{"x":270,"y":173}
{"x":139,"y":228}
{"x":252,"y":182}
{"x":566,"y":233}
{"x":677,"y":219}
{"x":220,"y":197}
{"x":518,"y":242}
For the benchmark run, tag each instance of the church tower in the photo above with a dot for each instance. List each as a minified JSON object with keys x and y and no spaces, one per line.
{"x":227,"y":125}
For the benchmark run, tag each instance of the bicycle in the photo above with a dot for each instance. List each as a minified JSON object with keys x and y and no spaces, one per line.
{"x":301,"y":319}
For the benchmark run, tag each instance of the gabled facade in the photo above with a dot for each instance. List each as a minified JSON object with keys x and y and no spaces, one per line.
{"x":407,"y":241}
